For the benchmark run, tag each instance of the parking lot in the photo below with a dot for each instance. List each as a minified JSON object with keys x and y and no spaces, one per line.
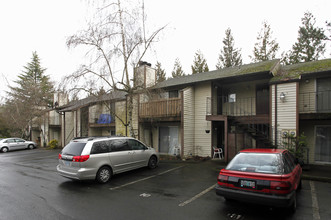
{"x":30,"y":188}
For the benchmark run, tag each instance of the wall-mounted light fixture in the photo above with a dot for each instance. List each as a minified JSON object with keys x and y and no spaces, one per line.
{"x":282,"y":97}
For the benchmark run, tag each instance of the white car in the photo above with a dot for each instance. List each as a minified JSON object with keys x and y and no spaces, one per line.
{"x":9,"y":144}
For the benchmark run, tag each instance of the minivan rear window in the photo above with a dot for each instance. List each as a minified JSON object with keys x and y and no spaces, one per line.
{"x":73,"y":149}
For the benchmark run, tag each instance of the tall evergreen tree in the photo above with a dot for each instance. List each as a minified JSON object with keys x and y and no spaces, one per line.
{"x":265,"y":48}
{"x":160,"y":73}
{"x":199,"y":63}
{"x":178,"y":70}
{"x":229,"y":56}
{"x":310,"y":43}
{"x":33,"y":93}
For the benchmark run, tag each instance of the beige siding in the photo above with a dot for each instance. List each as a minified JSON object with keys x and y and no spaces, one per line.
{"x":69,"y":127}
{"x":135,"y":119}
{"x":120,"y":112}
{"x":202,"y":142}
{"x":286,"y":111}
{"x":188,"y":121}
{"x":307,"y":96}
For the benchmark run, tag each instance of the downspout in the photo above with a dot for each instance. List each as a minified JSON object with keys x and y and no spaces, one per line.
{"x":276,"y":116}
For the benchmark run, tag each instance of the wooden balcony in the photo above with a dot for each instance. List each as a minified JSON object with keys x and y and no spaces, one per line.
{"x":165,"y":108}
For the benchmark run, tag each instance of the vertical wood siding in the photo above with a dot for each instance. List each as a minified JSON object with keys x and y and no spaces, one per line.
{"x":188,"y":121}
{"x":202,"y":142}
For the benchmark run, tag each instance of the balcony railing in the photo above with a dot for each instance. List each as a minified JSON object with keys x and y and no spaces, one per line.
{"x":161,"y":108}
{"x":315,"y":102}
{"x":222,"y":105}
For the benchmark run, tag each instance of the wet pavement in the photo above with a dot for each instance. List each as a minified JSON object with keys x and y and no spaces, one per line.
{"x":30,"y":188}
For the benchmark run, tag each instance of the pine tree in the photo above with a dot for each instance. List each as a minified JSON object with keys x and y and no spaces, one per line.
{"x":33,"y":93}
{"x":265,"y":48}
{"x":310,"y":43}
{"x":199,"y":63}
{"x":229,"y":55}
{"x":160,"y":73}
{"x":178,"y":70}
{"x":33,"y":86}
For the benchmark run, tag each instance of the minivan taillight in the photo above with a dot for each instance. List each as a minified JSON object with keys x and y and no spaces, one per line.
{"x":280,"y":187}
{"x":82,"y":158}
{"x":60,"y":156}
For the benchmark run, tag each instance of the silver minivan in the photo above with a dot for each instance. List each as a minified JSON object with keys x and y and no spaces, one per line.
{"x":101,"y":157}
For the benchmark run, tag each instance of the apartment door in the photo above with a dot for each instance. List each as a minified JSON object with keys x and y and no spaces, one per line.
{"x":262,"y":100}
{"x":323,"y":144}
{"x":168,"y":140}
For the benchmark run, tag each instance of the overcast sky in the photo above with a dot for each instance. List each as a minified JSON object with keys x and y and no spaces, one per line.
{"x":44,"y":25}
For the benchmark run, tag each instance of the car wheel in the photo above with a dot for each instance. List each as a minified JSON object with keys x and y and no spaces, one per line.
{"x":4,"y":149}
{"x":300,"y":185}
{"x":104,"y":175}
{"x":152,"y":163}
{"x":30,"y":146}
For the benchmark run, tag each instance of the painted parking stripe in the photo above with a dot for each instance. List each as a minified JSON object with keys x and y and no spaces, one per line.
{"x":143,"y":179}
{"x":197,"y":196}
{"x":316,"y":214}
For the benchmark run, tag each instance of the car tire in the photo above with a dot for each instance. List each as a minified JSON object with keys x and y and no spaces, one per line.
{"x":104,"y":174}
{"x":4,"y":149}
{"x":30,"y":146}
{"x":300,"y":185}
{"x":152,"y":163}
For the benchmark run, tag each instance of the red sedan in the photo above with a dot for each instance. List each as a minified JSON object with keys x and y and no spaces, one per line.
{"x":263,"y":176}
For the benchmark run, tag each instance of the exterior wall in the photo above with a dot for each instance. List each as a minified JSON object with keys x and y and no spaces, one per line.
{"x":188,"y":121}
{"x":202,"y":140}
{"x":287,"y":111}
{"x":69,"y":127}
{"x":145,"y":76}
{"x":120,"y":112}
{"x":135,"y":118}
{"x":307,"y":96}
{"x":150,"y":76}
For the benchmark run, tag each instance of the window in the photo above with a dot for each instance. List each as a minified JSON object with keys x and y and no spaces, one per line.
{"x":255,"y":162}
{"x":173,"y":94}
{"x":19,"y":140}
{"x":100,"y":147}
{"x":288,"y":163}
{"x":120,"y":145}
{"x":136,"y":145}
{"x":232,"y":97}
{"x":9,"y":141}
{"x":74,"y":148}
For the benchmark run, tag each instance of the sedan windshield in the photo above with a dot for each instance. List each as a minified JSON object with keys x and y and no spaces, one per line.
{"x":256,"y":163}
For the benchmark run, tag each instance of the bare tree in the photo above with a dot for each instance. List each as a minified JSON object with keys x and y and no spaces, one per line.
{"x":116,"y":42}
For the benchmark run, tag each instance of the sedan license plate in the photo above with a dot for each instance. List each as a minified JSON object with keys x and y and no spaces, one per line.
{"x":247,"y":184}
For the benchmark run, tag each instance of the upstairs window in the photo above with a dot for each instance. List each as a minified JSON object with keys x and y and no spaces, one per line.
{"x":232,"y":97}
{"x":173,"y":94}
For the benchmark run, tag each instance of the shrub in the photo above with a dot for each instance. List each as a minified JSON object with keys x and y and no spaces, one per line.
{"x":53,"y":144}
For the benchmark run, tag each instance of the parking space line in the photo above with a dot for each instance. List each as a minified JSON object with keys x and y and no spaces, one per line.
{"x":143,"y":179}
{"x":316,"y":214}
{"x":197,"y":196}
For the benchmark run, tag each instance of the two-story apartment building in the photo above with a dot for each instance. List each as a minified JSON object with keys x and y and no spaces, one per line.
{"x":93,"y":116}
{"x":248,"y":106}
{"x":252,"y":105}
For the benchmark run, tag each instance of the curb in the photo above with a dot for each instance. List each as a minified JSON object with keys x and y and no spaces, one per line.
{"x":316,"y":178}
